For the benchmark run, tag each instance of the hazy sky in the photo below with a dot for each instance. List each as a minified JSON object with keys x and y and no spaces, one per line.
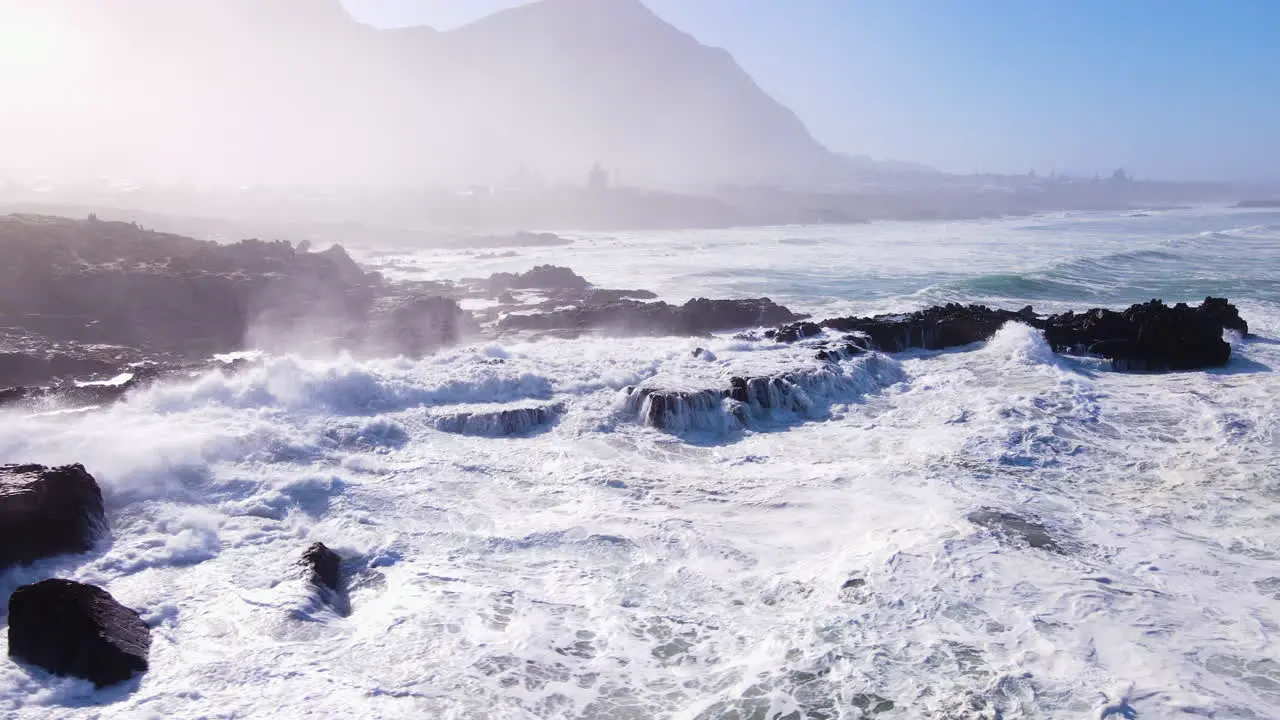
{"x":1169,"y":88}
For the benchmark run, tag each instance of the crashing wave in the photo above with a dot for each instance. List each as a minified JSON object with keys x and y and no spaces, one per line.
{"x":753,"y":401}
{"x":499,"y":422}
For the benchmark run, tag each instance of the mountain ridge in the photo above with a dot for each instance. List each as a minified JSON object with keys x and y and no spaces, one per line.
{"x":299,"y":90}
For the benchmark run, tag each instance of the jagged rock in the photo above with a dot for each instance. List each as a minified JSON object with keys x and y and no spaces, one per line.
{"x":935,"y":328}
{"x":324,"y":567}
{"x":803,"y":392}
{"x":835,"y":352}
{"x":47,"y":511}
{"x":1148,"y":336}
{"x":79,"y":394}
{"x":794,"y":332}
{"x":542,"y":277}
{"x":69,"y":628}
{"x":88,"y":297}
{"x":1010,"y":525}
{"x":502,"y":422}
{"x":695,"y":317}
{"x":1151,"y":336}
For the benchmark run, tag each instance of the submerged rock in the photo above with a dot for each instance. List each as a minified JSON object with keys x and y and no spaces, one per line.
{"x":324,"y":567}
{"x":47,"y":511}
{"x":1010,"y":525}
{"x":1150,"y":336}
{"x":70,"y":628}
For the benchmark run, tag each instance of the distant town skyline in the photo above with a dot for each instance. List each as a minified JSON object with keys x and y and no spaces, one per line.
{"x":1176,"y":90}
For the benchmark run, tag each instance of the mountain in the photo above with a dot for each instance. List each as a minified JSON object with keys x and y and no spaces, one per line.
{"x":296,"y":91}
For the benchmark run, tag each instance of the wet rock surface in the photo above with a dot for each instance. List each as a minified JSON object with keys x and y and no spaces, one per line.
{"x":70,"y":628}
{"x":934,"y":328}
{"x":47,"y":511}
{"x":1015,"y":527}
{"x":1150,"y":336}
{"x":323,"y":566}
{"x":500,"y":422}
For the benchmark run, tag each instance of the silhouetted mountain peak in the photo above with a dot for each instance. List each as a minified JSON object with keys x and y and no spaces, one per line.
{"x":299,"y":91}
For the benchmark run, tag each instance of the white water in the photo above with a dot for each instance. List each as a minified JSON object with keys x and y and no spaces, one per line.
{"x":598,"y":568}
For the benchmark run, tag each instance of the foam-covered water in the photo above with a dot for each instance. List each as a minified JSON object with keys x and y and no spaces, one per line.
{"x":814,"y":561}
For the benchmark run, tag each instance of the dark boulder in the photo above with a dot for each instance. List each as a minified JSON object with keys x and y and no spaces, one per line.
{"x":324,"y":567}
{"x":1009,"y":525}
{"x":835,"y":352}
{"x":794,"y":332}
{"x":934,"y":328}
{"x":542,"y":277}
{"x":47,"y":511}
{"x":1150,"y":336}
{"x":69,"y":628}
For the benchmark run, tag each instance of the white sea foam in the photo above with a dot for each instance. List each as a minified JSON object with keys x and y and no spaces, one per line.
{"x":814,"y":563}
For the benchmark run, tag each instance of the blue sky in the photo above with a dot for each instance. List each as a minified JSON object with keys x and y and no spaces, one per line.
{"x":1176,"y":89}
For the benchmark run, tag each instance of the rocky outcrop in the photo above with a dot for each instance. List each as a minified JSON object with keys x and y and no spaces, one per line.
{"x":935,"y":328}
{"x":747,"y":401}
{"x":69,"y":628}
{"x":628,"y":317}
{"x":542,"y":277}
{"x":499,"y":422}
{"x":323,"y":566}
{"x":47,"y":511}
{"x":86,"y":297}
{"x":1151,"y":336}
{"x":70,"y":393}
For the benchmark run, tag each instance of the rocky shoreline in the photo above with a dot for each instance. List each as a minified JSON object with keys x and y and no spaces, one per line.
{"x":94,"y":310}
{"x":90,"y":310}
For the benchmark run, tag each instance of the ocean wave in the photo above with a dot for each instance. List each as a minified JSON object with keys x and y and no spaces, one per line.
{"x":347,"y":387}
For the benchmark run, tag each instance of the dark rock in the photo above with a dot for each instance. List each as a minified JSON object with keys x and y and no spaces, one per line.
{"x":794,"y":332}
{"x":506,"y":422}
{"x":1010,"y":525}
{"x":1151,"y":336}
{"x":47,"y":511}
{"x":601,"y":295}
{"x":835,"y":352}
{"x":69,"y":628}
{"x":853,"y":583}
{"x":324,"y":567}
{"x":83,"y":298}
{"x":696,"y":317}
{"x":935,"y":328}
{"x":542,"y":277}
